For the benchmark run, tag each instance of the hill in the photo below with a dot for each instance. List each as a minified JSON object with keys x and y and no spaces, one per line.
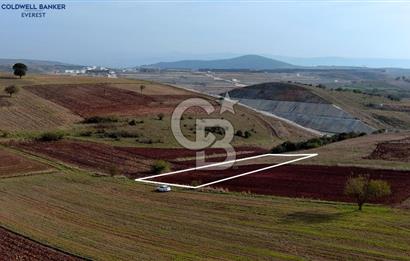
{"x":246,"y":62}
{"x":299,"y":104}
{"x":37,"y":66}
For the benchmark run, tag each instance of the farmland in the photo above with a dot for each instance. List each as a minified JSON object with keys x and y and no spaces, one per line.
{"x":105,"y":218}
{"x":14,"y":165}
{"x":129,"y":161}
{"x":107,"y":100}
{"x":301,"y":181}
{"x":18,"y":247}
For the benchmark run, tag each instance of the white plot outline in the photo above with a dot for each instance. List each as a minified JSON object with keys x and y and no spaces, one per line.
{"x":303,"y":157}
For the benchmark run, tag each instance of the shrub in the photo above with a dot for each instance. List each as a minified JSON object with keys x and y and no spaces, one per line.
{"x":50,"y":136}
{"x":12,"y":89}
{"x":160,"y":166}
{"x":99,"y":119}
{"x":239,"y":133}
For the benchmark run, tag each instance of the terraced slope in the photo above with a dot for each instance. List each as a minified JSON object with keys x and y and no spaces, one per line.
{"x":299,"y":105}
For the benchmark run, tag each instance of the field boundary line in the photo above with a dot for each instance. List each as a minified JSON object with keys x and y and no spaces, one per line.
{"x":301,"y":157}
{"x":32,"y":173}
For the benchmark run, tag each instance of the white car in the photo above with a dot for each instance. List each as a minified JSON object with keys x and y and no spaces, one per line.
{"x":163,"y":188}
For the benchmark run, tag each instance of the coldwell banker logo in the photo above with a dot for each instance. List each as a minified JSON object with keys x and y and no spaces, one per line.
{"x":32,"y":10}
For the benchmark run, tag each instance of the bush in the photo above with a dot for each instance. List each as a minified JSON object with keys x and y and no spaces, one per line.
{"x":50,"y":136}
{"x":99,"y":119}
{"x":12,"y":89}
{"x":160,"y":166}
{"x":239,"y":133}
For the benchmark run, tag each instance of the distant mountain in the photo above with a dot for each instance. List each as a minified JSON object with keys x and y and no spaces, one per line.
{"x":246,"y":62}
{"x":37,"y":66}
{"x":346,"y":62}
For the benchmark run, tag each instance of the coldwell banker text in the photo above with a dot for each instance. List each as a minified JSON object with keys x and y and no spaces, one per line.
{"x":33,"y":10}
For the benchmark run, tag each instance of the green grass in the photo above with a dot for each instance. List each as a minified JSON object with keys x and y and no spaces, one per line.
{"x":115,"y":218}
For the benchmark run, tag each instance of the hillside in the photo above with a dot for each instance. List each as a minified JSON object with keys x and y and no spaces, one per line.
{"x":300,"y":105}
{"x":37,"y":66}
{"x":47,"y":103}
{"x":246,"y":62}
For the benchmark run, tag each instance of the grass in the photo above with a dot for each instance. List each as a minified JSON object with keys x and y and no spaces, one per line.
{"x":108,"y":218}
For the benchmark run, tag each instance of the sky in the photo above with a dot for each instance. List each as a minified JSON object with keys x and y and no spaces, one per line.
{"x":133,"y":32}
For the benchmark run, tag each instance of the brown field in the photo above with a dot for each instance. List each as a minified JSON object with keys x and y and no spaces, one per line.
{"x":17,"y":247}
{"x":14,"y":165}
{"x":92,"y":156}
{"x":129,"y":161}
{"x":302,"y":181}
{"x":397,"y":150}
{"x":106,"y":99}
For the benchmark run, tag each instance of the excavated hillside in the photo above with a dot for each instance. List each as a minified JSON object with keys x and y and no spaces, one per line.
{"x":300,"y":105}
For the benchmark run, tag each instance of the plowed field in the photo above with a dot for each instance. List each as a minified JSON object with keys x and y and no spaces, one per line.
{"x":398,"y":150}
{"x":103,"y":99}
{"x":129,"y":161}
{"x":317,"y":182}
{"x":17,"y":247}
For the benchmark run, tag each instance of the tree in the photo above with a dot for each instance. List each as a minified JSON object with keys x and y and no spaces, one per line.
{"x":20,"y":69}
{"x":142,"y":87}
{"x":12,"y":89}
{"x":363,"y":189}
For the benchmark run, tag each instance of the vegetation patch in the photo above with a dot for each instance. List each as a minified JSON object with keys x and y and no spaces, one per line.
{"x":315,"y":142}
{"x":100,"y":119}
{"x":50,"y":136}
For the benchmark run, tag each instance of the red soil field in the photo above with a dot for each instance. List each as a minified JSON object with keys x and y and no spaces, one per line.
{"x":316,"y":182}
{"x":89,"y":155}
{"x":17,"y":247}
{"x":15,"y":165}
{"x":398,"y":150}
{"x":176,"y":153}
{"x":102,"y":99}
{"x":129,"y":161}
